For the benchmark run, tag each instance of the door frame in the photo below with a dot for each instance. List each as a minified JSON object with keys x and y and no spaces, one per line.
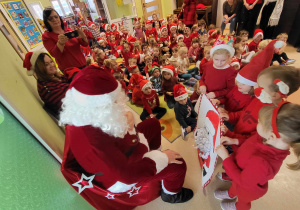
{"x":153,"y":3}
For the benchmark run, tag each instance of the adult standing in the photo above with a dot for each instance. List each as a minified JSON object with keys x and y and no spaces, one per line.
{"x":189,"y":12}
{"x":249,"y":15}
{"x":230,"y":14}
{"x":67,"y":52}
{"x":124,"y":161}
{"x":51,"y":84}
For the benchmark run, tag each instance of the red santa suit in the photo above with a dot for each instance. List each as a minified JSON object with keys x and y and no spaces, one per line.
{"x":250,"y":168}
{"x":112,"y":172}
{"x":151,"y":34}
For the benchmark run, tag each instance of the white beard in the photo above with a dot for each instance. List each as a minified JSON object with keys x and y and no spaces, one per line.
{"x":102,"y":111}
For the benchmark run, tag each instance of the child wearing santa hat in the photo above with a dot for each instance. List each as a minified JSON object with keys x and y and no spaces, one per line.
{"x":187,"y":37}
{"x":94,"y":30}
{"x":165,"y":38}
{"x":173,"y":35}
{"x":168,"y":83}
{"x":257,"y":37}
{"x":184,"y":110}
{"x":150,"y":102}
{"x":134,"y":85}
{"x":155,"y":78}
{"x":150,"y":31}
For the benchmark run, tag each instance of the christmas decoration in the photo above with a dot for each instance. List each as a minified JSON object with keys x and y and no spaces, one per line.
{"x":79,"y":184}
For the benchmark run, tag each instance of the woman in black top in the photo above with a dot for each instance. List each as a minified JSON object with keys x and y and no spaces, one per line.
{"x":230,"y":9}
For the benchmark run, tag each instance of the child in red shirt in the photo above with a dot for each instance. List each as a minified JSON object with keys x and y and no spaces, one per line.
{"x":258,"y":36}
{"x":150,"y":32}
{"x":150,"y":102}
{"x":259,"y":159}
{"x":173,"y":35}
{"x":187,"y":40}
{"x":134,"y":85}
{"x":113,"y":46}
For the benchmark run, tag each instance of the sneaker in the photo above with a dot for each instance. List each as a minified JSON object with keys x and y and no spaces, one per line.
{"x":222,"y":195}
{"x":290,"y":61}
{"x":183,"y":133}
{"x":224,"y":177}
{"x":183,"y":196}
{"x":282,"y":64}
{"x":228,"y":205}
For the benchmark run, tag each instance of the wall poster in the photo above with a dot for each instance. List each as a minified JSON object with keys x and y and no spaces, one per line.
{"x":23,"y":21}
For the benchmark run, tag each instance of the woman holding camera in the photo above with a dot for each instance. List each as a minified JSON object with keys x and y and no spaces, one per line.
{"x":66,"y":51}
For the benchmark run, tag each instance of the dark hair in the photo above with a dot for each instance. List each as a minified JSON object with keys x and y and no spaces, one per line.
{"x":46,"y":13}
{"x":40,"y":69}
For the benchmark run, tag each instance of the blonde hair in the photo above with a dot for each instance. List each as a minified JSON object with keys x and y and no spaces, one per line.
{"x":288,"y":124}
{"x":264,"y":43}
{"x":182,"y":50}
{"x":244,"y":33}
{"x":207,"y":48}
{"x":221,"y":52}
{"x":288,"y":74}
{"x":181,"y":45}
{"x":107,"y":63}
{"x":174,"y":62}
{"x":211,"y":42}
{"x":148,"y":57}
{"x":282,"y":35}
{"x":236,"y":48}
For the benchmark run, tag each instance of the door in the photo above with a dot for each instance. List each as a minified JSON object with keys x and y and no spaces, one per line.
{"x":151,"y":7}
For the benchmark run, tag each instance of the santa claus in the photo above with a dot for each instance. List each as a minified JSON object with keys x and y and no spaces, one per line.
{"x":110,"y":161}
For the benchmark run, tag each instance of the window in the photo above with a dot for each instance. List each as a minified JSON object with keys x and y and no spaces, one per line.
{"x":62,"y":7}
{"x":37,"y":10}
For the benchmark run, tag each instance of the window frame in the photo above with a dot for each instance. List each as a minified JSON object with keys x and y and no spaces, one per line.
{"x":62,"y":8}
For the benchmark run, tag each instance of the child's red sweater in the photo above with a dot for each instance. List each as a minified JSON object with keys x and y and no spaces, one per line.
{"x":245,"y":121}
{"x":253,"y":46}
{"x":168,"y":86}
{"x":219,"y":81}
{"x":202,"y":63}
{"x":173,"y":41}
{"x":151,"y":34}
{"x":150,"y":101}
{"x":235,"y":100}
{"x":164,"y":39}
{"x":187,"y":41}
{"x":252,"y":166}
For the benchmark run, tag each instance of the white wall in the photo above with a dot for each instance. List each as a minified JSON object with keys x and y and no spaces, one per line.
{"x":220,"y":13}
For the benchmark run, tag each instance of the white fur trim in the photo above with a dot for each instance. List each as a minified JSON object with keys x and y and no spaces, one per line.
{"x":283,"y":88}
{"x":264,"y":97}
{"x":259,"y":33}
{"x":167,"y":70}
{"x":160,"y":159}
{"x":179,"y":36}
{"x":181,"y":97}
{"x":35,"y":55}
{"x":173,"y":27}
{"x":245,"y":81}
{"x":222,"y":46}
{"x":148,"y":84}
{"x":120,"y":187}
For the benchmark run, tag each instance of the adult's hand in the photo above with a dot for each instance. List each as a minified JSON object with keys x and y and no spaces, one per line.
{"x":173,"y":156}
{"x":62,"y":39}
{"x":222,"y":152}
{"x":211,"y":95}
{"x":130,"y":120}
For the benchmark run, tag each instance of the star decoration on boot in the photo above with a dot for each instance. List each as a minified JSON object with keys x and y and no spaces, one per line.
{"x":134,"y":191}
{"x":110,"y":196}
{"x":81,"y":186}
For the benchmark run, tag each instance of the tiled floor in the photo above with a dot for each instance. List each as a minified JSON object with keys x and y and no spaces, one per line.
{"x":283,"y":190}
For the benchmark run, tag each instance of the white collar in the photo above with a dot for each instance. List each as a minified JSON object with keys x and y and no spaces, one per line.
{"x":225,"y":67}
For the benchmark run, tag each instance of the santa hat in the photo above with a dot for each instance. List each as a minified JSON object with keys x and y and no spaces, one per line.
{"x":94,"y":81}
{"x":235,"y":61}
{"x":145,"y":84}
{"x":262,"y":95}
{"x":200,"y":6}
{"x":163,"y":27}
{"x":137,"y":19}
{"x":155,"y":67}
{"x":212,"y":34}
{"x":103,"y":34}
{"x":173,"y":25}
{"x":105,"y":26}
{"x":248,"y":75}
{"x":162,"y":21}
{"x":113,"y":27}
{"x":82,"y":26}
{"x":180,"y":92}
{"x":179,"y":36}
{"x":90,"y":24}
{"x":30,"y":59}
{"x":258,"y":32}
{"x":149,"y":22}
{"x":131,"y":39}
{"x":99,"y":39}
{"x":130,"y":68}
{"x":169,"y":68}
{"x":223,"y":42}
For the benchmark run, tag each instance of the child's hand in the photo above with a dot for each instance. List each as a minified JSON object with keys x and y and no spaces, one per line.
{"x":152,"y":115}
{"x":170,"y":93}
{"x":224,"y":116}
{"x":222,"y":152}
{"x":211,"y":95}
{"x":224,"y":129}
{"x":202,"y":89}
{"x":173,"y":156}
{"x":215,"y":101}
{"x":225,"y":140}
{"x":222,"y":110}
{"x":188,"y":129}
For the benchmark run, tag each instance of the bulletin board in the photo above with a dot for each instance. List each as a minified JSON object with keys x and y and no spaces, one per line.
{"x":23,"y":23}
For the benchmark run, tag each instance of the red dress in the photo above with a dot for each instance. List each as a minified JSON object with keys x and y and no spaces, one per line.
{"x":250,"y":168}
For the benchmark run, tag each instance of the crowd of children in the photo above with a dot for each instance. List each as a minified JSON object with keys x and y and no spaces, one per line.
{"x":235,"y":75}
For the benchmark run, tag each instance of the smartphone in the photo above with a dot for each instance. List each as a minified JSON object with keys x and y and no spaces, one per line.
{"x":71,"y":34}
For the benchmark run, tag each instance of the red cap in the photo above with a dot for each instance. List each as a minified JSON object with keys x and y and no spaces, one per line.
{"x":180,"y":92}
{"x":173,"y":25}
{"x":144,"y":84}
{"x":169,"y":68}
{"x":149,"y":22}
{"x":131,"y":67}
{"x":90,"y":24}
{"x":248,"y":75}
{"x":258,"y":32}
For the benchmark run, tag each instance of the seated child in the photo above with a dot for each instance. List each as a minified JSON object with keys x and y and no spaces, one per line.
{"x":150,"y":102}
{"x":180,"y":38}
{"x":120,"y":78}
{"x":126,"y":52}
{"x":148,"y":65}
{"x":165,"y":50}
{"x":168,"y":82}
{"x":193,"y":50}
{"x":194,"y":33}
{"x":184,"y":64}
{"x":104,"y":46}
{"x":115,"y":67}
{"x":187,"y":37}
{"x":113,"y":46}
{"x":205,"y":59}
{"x":184,"y":110}
{"x":280,"y":56}
{"x":156,"y":54}
{"x":262,"y":46}
{"x":163,"y":61}
{"x":134,"y":85}
{"x":258,"y":36}
{"x":155,"y":78}
{"x":175,"y":53}
{"x":237,"y":58}
{"x":246,"y":55}
{"x":152,"y":44}
{"x":202,"y":27}
{"x":127,"y":74}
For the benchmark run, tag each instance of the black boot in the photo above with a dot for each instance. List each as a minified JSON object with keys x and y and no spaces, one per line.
{"x":183,"y":196}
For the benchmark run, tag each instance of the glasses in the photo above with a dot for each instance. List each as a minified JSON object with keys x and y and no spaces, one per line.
{"x":54,"y":17}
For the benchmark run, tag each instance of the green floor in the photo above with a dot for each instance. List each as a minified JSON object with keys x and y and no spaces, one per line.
{"x":30,"y":177}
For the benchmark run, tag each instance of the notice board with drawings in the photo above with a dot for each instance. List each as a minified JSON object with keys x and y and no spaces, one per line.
{"x":22,"y":22}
